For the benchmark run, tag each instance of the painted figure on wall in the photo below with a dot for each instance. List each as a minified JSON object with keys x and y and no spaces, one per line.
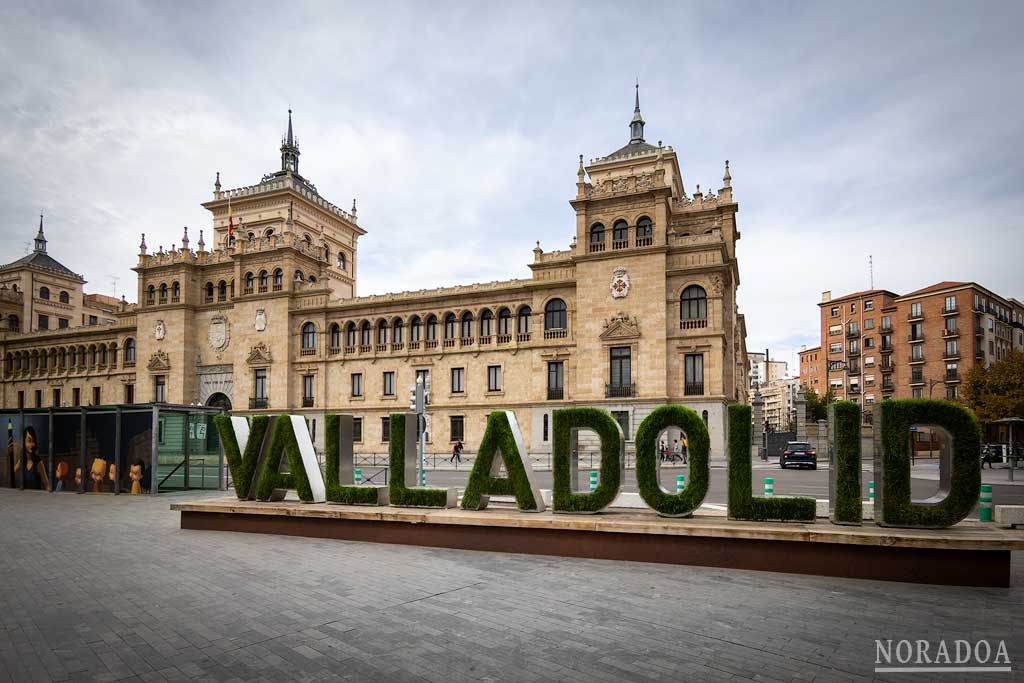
{"x":98,"y":471}
{"x":60,"y":474}
{"x":112,"y":476}
{"x":35,"y":471}
{"x":78,"y":478}
{"x":136,"y":473}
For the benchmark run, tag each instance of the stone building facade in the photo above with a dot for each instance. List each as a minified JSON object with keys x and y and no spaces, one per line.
{"x":639,"y":310}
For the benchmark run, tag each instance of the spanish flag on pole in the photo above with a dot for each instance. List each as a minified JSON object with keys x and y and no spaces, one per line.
{"x":231,"y":221}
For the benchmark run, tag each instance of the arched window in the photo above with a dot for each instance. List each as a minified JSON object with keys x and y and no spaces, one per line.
{"x":81,"y":356}
{"x":44,"y":293}
{"x":415,"y":329}
{"x":264,"y":280}
{"x":251,"y":236}
{"x":364,"y":334}
{"x":103,"y":355}
{"x":335,"y":335}
{"x":449,"y":326}
{"x":269,"y":232}
{"x":432,"y":328}
{"x":467,"y":326}
{"x":250,"y":282}
{"x":397,"y":331}
{"x":644,"y":232}
{"x":523,"y":320}
{"x":176,"y":291}
{"x":163,"y":292}
{"x":278,"y":280}
{"x":350,"y":335}
{"x":93,"y":356}
{"x":693,"y":305}
{"x":209,"y":292}
{"x":597,"y":237}
{"x":151,"y":295}
{"x":65,"y":298}
{"x":308,"y":336}
{"x":13,"y":323}
{"x":505,"y":321}
{"x":382,"y":332}
{"x":620,"y":233}
{"x":129,"y":350}
{"x":222,"y":291}
{"x":554,"y":315}
{"x":341,"y":260}
{"x":312,"y":279}
{"x":486,"y":323}
{"x":299,"y":277}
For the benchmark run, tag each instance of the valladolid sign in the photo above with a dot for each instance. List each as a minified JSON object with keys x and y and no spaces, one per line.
{"x":254,"y":450}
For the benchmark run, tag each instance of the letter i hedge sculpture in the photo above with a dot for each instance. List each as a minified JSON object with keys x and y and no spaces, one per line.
{"x":345,"y":493}
{"x":689,"y":499}
{"x":610,"y":433}
{"x":503,"y":439}
{"x":742,"y":502}
{"x":844,"y":467}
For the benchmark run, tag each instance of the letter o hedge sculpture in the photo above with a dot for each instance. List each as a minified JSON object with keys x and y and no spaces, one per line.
{"x":689,"y":499}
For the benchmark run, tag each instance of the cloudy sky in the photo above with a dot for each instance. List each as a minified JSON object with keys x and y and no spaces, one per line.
{"x":891,"y":130}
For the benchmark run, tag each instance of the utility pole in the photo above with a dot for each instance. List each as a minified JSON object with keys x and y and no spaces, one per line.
{"x":419,"y":397}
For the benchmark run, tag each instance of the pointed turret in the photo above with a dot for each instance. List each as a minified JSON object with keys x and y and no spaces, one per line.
{"x":290,"y":150}
{"x":636,"y":126}
{"x":202,"y":244}
{"x":184,"y":240}
{"x":727,"y":178}
{"x":40,"y":247}
{"x":142,"y":246}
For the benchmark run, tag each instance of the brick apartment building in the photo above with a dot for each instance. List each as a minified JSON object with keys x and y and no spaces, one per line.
{"x":877,"y":344}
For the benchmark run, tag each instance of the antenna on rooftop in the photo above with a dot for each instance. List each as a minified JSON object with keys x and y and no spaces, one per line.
{"x":113,"y":281}
{"x":871,"y":271}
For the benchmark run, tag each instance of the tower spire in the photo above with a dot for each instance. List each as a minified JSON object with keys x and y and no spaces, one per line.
{"x":290,"y":149}
{"x":636,"y":126}
{"x":40,"y":237}
{"x":291,"y":140}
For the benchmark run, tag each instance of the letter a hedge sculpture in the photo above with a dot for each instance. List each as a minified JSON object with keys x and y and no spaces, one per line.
{"x":502,"y":438}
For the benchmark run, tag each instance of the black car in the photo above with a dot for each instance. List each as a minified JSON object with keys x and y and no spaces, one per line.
{"x":799,"y":454}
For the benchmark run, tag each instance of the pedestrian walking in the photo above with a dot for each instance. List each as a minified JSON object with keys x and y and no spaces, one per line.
{"x":675,"y":450}
{"x":662,"y":452}
{"x":686,"y":450}
{"x":986,"y":456}
{"x":457,"y":453}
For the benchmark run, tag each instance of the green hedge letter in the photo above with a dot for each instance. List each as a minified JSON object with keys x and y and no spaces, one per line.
{"x":402,"y":462}
{"x":844,"y":493}
{"x":566,"y":425}
{"x":339,"y":478}
{"x":502,"y":439}
{"x":242,"y":458}
{"x":742,"y":502}
{"x":274,"y":484}
{"x":648,"y":463}
{"x":959,"y":471}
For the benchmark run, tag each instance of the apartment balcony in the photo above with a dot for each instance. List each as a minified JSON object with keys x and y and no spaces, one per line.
{"x":979,"y":355}
{"x":619,"y":390}
{"x":503,"y":339}
{"x":951,"y":355}
{"x":449,"y":343}
{"x":917,"y":380}
{"x":258,"y":403}
{"x":430,"y":344}
{"x":693,"y":323}
{"x":885,"y":348}
{"x":556,"y":394}
{"x":915,"y":360}
{"x":523,"y":337}
{"x":853,"y":353}
{"x":365,"y":348}
{"x":397,"y":346}
{"x":854,"y":389}
{"x":350,"y":349}
{"x":888,"y":387}
{"x":307,"y":352}
{"x":979,"y":331}
{"x":693,"y":389}
{"x":466,"y":341}
{"x":852,"y":333}
{"x":885,"y":328}
{"x":915,"y":339}
{"x":560,"y":333}
{"x":853,"y":370}
{"x":950,"y":310}
{"x":381,"y":348}
{"x":915,"y":316}
{"x":948,"y":333}
{"x":484,"y":340}
{"x":887,"y":367}
{"x":952,"y":376}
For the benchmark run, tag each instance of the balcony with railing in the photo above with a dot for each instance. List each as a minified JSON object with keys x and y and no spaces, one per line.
{"x":948,"y":333}
{"x":950,"y":355}
{"x":557,"y":333}
{"x":854,"y":389}
{"x":523,"y":337}
{"x":952,"y":376}
{"x":885,"y":327}
{"x":307,"y":401}
{"x":594,"y":247}
{"x":853,"y":370}
{"x":484,"y":340}
{"x":503,"y":338}
{"x":693,"y":323}
{"x":449,"y":343}
{"x":644,"y":240}
{"x":397,"y":346}
{"x":885,"y":348}
{"x":979,"y":355}
{"x":915,"y":338}
{"x":916,"y":359}
{"x":979,"y":331}
{"x":466,"y":341}
{"x":950,"y":310}
{"x":307,"y":351}
{"x":556,"y":394}
{"x":916,"y":379}
{"x":852,"y":332}
{"x":258,"y":403}
{"x":853,"y":353}
{"x":888,"y":386}
{"x":365,"y":348}
{"x":693,"y":388}
{"x":887,"y":367}
{"x":333,"y":350}
{"x":918,"y":315}
{"x":619,"y":390}
{"x":620,"y":244}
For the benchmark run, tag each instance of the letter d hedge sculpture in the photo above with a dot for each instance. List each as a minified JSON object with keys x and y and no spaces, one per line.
{"x":959,"y":470}
{"x":566,"y":423}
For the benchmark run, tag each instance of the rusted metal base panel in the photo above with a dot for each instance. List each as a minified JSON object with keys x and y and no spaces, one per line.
{"x":954,"y":567}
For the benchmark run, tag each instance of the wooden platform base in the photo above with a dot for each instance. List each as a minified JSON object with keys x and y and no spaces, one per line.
{"x":969,"y":554}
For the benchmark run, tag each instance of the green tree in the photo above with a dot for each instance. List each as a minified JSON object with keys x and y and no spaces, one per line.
{"x":817,"y":406}
{"x":997,"y":391}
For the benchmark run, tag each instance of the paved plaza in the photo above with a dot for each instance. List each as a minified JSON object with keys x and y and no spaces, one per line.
{"x":109,"y":588}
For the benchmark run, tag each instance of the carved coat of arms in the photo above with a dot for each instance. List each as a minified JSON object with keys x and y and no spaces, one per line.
{"x":620,"y":283}
{"x":219,"y":333}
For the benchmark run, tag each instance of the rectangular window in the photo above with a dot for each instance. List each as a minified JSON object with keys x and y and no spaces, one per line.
{"x":950,"y":304}
{"x":622,"y":417}
{"x":854,"y":346}
{"x":129,"y":393}
{"x":620,"y":372}
{"x":76,"y":397}
{"x":886,"y":322}
{"x":917,"y":392}
{"x":458,"y":380}
{"x":693,"y":374}
{"x":950,"y":348}
{"x":869,"y":343}
{"x":493,"y":378}
{"x":259,"y":384}
{"x":916,"y":352}
{"x":423,"y":376}
{"x":834,"y":311}
{"x":951,"y":393}
{"x":916,"y":331}
{"x":357,"y":384}
{"x":56,"y":398}
{"x":389,"y":383}
{"x":44,"y":322}
{"x":62,"y":323}
{"x":556,"y":375}
{"x":853,"y":307}
{"x":834,"y":330}
{"x":93,"y":320}
{"x":39,"y":398}
{"x":835,"y":347}
{"x":21,"y":399}
{"x":915,"y":310}
{"x":96,"y":396}
{"x":458,"y":424}
{"x":357,"y":429}
{"x":544,"y":429}
{"x":869,"y":305}
{"x":951,"y":324}
{"x":385,"y":429}
{"x":160,"y":389}
{"x":307,"y":390}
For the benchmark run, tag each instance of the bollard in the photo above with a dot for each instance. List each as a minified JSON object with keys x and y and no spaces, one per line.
{"x":593,"y":479}
{"x":871,"y":491}
{"x":985,"y":503}
{"x":769,"y":487}
{"x":680,"y":483}
{"x":359,"y":477}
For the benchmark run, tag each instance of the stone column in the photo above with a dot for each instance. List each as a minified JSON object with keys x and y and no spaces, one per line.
{"x":757,"y":431}
{"x":800,"y":405}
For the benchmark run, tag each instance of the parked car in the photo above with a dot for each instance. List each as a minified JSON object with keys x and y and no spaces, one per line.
{"x":799,"y":454}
